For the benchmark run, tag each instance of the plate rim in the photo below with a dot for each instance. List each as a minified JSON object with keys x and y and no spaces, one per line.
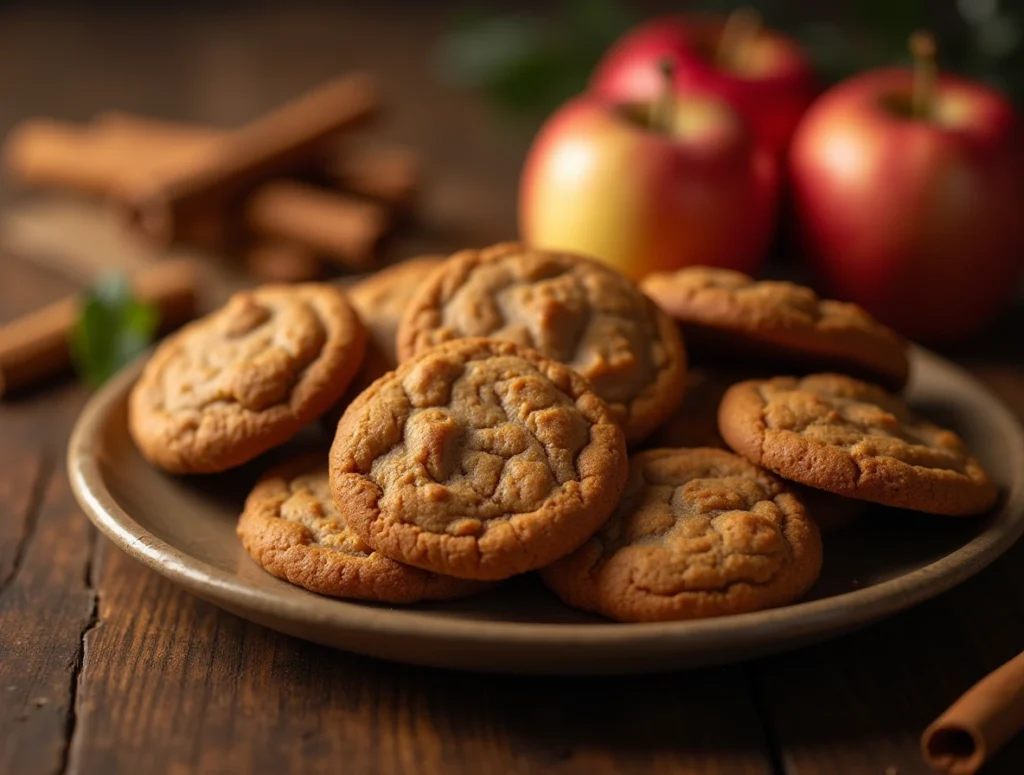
{"x":799,"y":620}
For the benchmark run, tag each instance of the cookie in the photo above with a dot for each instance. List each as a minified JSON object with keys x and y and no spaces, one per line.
{"x":698,"y":533}
{"x":695,"y":424}
{"x":478,"y":459}
{"x":570,"y":309}
{"x":292,"y":529}
{"x":381,"y":298}
{"x":729,"y":315}
{"x":851,"y":438}
{"x":246,"y":378}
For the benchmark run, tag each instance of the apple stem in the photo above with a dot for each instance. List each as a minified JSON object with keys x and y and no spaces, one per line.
{"x":922,"y":48}
{"x":738,"y":32}
{"x":664,"y":108}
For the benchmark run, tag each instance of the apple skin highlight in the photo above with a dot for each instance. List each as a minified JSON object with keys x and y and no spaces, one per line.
{"x":771,"y":91}
{"x":920,"y":221}
{"x":597,"y":182}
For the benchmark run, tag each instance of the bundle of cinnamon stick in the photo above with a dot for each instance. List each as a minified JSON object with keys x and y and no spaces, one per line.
{"x":285,"y":192}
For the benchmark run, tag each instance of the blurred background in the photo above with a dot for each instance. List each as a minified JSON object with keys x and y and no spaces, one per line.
{"x":528,"y":59}
{"x":222,"y":62}
{"x":465,"y":84}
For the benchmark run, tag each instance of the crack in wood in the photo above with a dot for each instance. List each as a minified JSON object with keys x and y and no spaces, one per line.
{"x":78,"y":667}
{"x":772,"y":744}
{"x":35,"y":503}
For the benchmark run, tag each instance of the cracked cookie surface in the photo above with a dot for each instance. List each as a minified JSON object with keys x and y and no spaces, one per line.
{"x":292,"y":529}
{"x":725,"y":313}
{"x":571,"y":309}
{"x":245,"y":378}
{"x":852,"y":438}
{"x":477,"y":459}
{"x":698,"y":533}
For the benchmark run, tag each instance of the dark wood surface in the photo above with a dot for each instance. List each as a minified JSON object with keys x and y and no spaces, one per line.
{"x":106,"y":667}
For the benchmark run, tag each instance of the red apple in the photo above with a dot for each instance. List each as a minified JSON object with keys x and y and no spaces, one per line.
{"x":614,"y":181}
{"x":763,"y":74}
{"x":912,"y":205}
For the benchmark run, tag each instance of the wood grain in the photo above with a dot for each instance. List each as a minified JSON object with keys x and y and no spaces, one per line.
{"x":20,"y":471}
{"x":44,"y":611}
{"x":860,"y":704}
{"x":173,"y":684}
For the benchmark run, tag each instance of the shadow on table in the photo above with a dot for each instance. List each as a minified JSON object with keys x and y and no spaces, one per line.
{"x":865,"y":699}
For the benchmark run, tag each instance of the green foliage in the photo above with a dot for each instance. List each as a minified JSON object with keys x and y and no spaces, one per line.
{"x":529,"y":63}
{"x":113,"y":327}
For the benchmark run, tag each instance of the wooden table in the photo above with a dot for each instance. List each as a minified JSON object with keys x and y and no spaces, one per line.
{"x":106,"y":667}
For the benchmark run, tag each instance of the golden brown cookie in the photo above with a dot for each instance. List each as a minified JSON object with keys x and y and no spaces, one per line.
{"x":571,"y":309}
{"x":851,"y":438}
{"x":291,"y":527}
{"x":698,"y":533}
{"x":245,"y":378}
{"x":695,"y":424}
{"x":381,"y":298}
{"x":478,"y":459}
{"x":728,"y":314}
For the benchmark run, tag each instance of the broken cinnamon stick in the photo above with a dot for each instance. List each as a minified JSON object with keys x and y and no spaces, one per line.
{"x":160,"y":201}
{"x":390,"y":174}
{"x":38,"y":345}
{"x":342,"y":228}
{"x":155,"y":134}
{"x":52,"y":154}
{"x":277,"y":261}
{"x":963,"y":738}
{"x":339,"y":226}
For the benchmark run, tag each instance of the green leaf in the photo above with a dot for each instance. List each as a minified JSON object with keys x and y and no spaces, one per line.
{"x":530,"y":63}
{"x":599,"y":21}
{"x":113,"y":328}
{"x":480,"y":52}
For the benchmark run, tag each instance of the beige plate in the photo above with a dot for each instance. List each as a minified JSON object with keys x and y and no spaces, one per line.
{"x":183,"y":528}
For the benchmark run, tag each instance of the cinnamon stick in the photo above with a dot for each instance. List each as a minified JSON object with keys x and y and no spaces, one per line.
{"x":52,"y":154}
{"x":979,"y":723}
{"x":160,"y":201}
{"x":342,"y":228}
{"x":390,"y":174}
{"x":277,"y":261}
{"x":38,"y":345}
{"x":156,"y":134}
{"x":45,"y":153}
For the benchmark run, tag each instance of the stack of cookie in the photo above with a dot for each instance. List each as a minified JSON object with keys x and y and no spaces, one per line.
{"x":509,"y":409}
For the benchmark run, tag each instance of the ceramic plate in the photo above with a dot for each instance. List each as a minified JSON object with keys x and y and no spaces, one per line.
{"x":184,"y":528}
